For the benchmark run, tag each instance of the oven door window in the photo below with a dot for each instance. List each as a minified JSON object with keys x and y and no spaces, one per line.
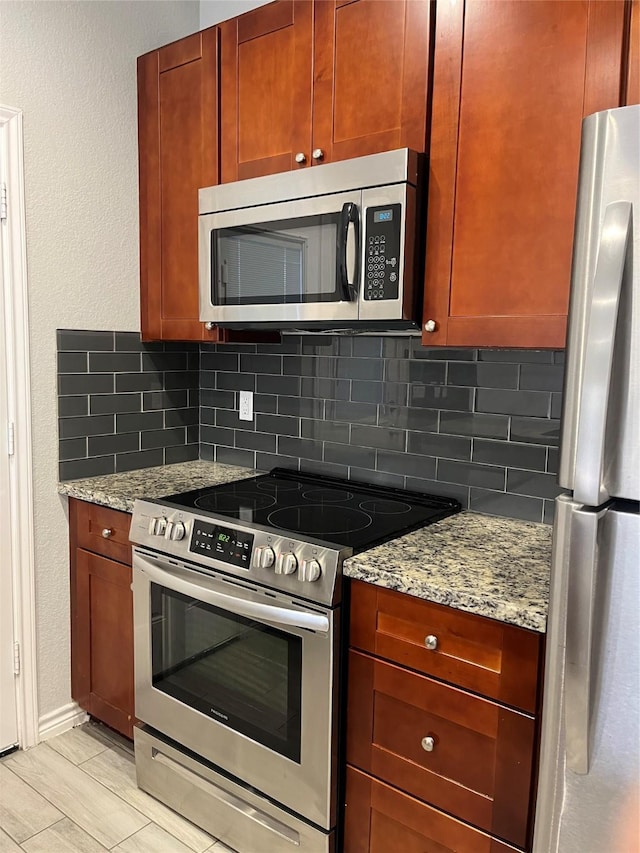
{"x":282,"y":262}
{"x":237,"y":671}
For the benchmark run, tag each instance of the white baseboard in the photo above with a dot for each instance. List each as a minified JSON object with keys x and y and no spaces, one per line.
{"x":61,"y":720}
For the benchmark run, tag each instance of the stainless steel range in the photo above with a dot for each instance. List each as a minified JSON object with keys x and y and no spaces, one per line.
{"x":237,"y":616}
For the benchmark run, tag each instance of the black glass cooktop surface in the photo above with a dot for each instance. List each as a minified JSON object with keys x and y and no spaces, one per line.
{"x":343,"y":512}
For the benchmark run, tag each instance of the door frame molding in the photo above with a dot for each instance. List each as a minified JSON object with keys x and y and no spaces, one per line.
{"x":14,"y":275}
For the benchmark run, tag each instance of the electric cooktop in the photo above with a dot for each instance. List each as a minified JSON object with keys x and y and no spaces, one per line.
{"x":344,"y":512}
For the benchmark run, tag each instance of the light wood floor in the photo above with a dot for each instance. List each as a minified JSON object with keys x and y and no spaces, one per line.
{"x":77,"y":793}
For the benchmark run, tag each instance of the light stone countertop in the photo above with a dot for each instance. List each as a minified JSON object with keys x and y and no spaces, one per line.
{"x":496,"y":567}
{"x":120,"y":491}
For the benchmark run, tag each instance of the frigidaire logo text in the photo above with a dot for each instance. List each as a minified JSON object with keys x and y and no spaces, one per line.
{"x":219,"y":714}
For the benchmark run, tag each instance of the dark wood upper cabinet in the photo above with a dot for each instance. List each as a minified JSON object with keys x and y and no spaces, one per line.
{"x":322,"y":81}
{"x":178,"y":151}
{"x":512,"y":83}
{"x":265,"y":89}
{"x":371,"y":76}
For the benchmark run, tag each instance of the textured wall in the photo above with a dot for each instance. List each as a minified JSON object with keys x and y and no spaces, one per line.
{"x":477,"y":425}
{"x":213,"y":11}
{"x":71,"y":68}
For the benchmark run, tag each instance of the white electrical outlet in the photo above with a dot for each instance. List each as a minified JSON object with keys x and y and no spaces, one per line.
{"x":245,"y":406}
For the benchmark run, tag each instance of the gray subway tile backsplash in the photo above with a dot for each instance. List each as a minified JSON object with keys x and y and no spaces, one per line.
{"x":471,"y":424}
{"x":124,"y":404}
{"x":478,"y":425}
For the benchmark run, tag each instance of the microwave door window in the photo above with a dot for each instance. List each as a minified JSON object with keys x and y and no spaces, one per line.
{"x":282,"y":262}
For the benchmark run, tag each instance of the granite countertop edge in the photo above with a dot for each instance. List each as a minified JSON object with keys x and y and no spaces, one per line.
{"x":489,"y":566}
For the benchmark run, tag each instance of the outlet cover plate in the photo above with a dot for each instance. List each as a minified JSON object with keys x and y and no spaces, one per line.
{"x":245,"y":406}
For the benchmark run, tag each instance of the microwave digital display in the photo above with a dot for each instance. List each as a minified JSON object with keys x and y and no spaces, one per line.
{"x":383,"y":216}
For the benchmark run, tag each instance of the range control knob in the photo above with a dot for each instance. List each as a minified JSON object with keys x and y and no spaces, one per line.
{"x":263,"y":558}
{"x":178,"y":531}
{"x":152,"y":526}
{"x":286,"y":564}
{"x":309,"y":571}
{"x":161,"y":526}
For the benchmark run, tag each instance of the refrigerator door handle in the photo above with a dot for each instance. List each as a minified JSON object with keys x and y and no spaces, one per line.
{"x":593,"y":403}
{"x":582,"y":572}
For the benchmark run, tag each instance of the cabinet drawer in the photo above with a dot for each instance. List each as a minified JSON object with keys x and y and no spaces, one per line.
{"x":459,"y":752}
{"x":379,"y":819}
{"x":100,"y":529}
{"x":479,"y":654}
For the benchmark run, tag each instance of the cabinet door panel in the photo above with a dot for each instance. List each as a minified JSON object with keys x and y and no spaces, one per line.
{"x":92,"y":521}
{"x":480,"y":763}
{"x":479,"y":654}
{"x":371,"y":66}
{"x":380,"y":819}
{"x":178,"y":150}
{"x":102,"y":639}
{"x":512,"y":82}
{"x":266,"y":79}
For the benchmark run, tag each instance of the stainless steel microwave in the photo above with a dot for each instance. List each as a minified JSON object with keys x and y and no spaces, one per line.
{"x":328,"y":248}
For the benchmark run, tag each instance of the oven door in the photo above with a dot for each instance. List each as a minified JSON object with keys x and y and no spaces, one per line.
{"x":244,"y":678}
{"x":285,"y":263}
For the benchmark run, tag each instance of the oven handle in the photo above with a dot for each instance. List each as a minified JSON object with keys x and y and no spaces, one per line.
{"x":204,"y":590}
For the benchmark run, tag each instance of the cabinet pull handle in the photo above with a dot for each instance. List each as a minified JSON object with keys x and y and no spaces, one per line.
{"x":430,"y":326}
{"x":428,"y":744}
{"x":301,"y":157}
{"x":107,"y":532}
{"x":431,"y":642}
{"x":317,"y":153}
{"x":209,"y":325}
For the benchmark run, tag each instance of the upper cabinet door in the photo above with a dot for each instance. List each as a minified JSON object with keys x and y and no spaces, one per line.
{"x":371,"y":76}
{"x":266,"y":81}
{"x":512,"y":83}
{"x":178,"y":151}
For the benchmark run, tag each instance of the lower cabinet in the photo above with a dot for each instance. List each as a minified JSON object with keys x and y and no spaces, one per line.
{"x":381,"y":819}
{"x":101,"y":614}
{"x":432,"y":763}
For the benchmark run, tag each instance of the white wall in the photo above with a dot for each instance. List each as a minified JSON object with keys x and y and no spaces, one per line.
{"x":71,"y":68}
{"x":214,"y":11}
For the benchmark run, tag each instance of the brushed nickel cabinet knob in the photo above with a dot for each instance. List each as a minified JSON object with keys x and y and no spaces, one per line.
{"x":107,"y":533}
{"x":430,"y":326}
{"x":431,"y":642}
{"x":428,"y":744}
{"x":301,"y":157}
{"x":317,"y":154}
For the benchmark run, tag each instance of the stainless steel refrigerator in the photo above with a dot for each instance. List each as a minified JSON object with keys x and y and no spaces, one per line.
{"x":589,"y":782}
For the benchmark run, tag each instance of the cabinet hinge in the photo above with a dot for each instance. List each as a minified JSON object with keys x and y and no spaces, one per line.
{"x":11,"y":438}
{"x":16,"y":658}
{"x":3,"y":202}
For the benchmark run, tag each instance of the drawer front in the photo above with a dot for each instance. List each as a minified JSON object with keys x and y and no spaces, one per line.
{"x":459,"y":752}
{"x":479,"y":654}
{"x":380,"y":819}
{"x":100,"y":529}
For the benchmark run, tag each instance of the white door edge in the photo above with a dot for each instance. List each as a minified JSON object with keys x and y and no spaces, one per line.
{"x":16,"y":355}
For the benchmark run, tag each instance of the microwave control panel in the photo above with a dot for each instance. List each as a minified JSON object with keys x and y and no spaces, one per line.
{"x":382,"y":252}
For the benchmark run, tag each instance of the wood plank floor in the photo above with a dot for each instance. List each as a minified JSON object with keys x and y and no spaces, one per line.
{"x":76,"y":793}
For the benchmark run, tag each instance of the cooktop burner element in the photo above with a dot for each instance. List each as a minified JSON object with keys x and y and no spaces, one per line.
{"x":347,"y":513}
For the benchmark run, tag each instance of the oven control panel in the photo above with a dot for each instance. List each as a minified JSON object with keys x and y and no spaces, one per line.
{"x":222,"y":543}
{"x":308,"y":569}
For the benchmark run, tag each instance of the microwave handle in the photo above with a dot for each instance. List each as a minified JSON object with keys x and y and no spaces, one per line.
{"x":350,"y":215}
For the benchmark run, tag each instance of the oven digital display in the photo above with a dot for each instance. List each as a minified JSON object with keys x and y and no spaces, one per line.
{"x":222,"y":543}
